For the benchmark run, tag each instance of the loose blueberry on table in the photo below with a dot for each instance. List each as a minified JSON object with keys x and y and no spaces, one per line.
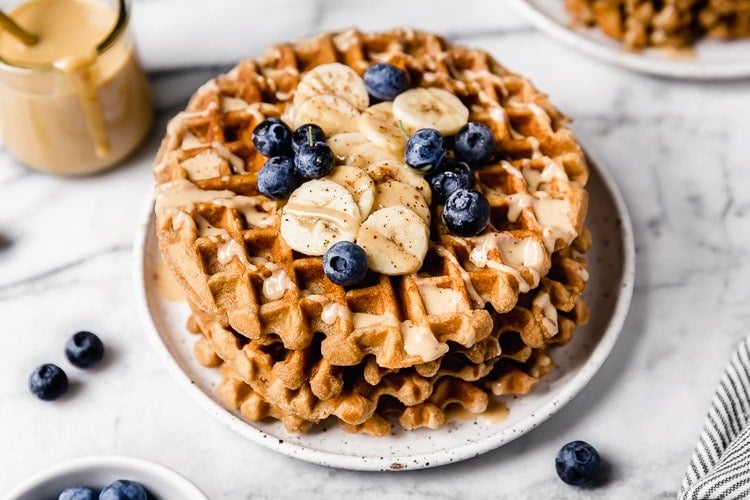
{"x":449,"y":177}
{"x":48,"y":382}
{"x":385,"y":81}
{"x":84,"y":349}
{"x":466,"y":212}
{"x":272,"y":137}
{"x":425,"y":149}
{"x":276,"y":178}
{"x":577,"y":463}
{"x":345,"y":263}
{"x":77,"y":493}
{"x":474,"y":143}
{"x":124,"y":489}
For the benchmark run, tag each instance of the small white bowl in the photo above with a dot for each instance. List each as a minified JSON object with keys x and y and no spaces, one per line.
{"x":98,"y":471}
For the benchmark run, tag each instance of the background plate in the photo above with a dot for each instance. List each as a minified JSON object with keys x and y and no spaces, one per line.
{"x":710,"y":60}
{"x":608,"y":294}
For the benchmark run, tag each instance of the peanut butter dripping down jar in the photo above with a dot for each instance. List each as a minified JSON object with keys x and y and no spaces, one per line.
{"x":78,"y":101}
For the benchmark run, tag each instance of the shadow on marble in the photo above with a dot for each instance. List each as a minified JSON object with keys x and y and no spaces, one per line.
{"x":111,"y":357}
{"x":5,"y":242}
{"x":75,"y":388}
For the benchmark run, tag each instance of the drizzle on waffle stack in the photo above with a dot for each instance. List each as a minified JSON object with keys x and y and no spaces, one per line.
{"x":473,"y":320}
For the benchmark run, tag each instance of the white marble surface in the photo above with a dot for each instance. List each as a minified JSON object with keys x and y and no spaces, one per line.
{"x":678,"y":151}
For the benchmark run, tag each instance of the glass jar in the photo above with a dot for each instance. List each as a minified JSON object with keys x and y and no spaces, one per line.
{"x":78,"y":102}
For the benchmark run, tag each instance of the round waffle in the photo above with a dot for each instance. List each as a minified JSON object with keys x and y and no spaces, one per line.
{"x":477,"y":317}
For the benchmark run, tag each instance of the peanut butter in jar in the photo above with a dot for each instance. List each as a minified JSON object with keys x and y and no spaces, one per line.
{"x":77,"y":102}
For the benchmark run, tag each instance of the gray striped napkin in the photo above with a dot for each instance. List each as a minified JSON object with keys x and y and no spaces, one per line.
{"x":720,"y":467}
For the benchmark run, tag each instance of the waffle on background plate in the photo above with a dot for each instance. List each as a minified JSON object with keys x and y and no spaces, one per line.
{"x":475,"y":322}
{"x":663,"y":23}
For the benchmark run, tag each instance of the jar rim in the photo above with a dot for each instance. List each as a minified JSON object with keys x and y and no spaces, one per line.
{"x":123,"y":14}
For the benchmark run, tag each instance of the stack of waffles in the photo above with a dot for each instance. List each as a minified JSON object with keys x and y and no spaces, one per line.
{"x":473,"y":321}
{"x":664,"y":23}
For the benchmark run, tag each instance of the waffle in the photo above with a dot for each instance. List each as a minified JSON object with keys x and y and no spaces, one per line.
{"x":293,"y":346}
{"x":670,"y":23}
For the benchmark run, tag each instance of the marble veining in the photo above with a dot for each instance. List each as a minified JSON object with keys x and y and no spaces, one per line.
{"x":677,"y":149}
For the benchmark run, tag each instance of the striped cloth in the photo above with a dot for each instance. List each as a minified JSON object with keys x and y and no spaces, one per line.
{"x":720,"y":467}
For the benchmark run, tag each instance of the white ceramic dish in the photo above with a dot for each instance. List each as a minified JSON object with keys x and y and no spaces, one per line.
{"x":711,"y":60}
{"x":608,"y":294}
{"x":98,"y":471}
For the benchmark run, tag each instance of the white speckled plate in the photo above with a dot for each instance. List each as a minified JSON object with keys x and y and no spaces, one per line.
{"x":608,"y":294}
{"x":711,"y":60}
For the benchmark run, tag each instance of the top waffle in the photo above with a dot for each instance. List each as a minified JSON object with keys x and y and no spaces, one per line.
{"x":223,"y":240}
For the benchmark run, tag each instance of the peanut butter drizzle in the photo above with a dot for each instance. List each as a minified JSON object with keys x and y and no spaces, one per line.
{"x":167,"y":285}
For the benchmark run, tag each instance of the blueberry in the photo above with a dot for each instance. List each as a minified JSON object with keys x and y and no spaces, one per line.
{"x":474,"y":143}
{"x":48,"y":382}
{"x":466,"y":212}
{"x":449,"y":177}
{"x":276,"y":178}
{"x":77,"y":493}
{"x":272,"y":137}
{"x":84,"y":349}
{"x":577,"y":463}
{"x":305,"y":133}
{"x":425,"y":149}
{"x":313,"y":162}
{"x":385,"y":81}
{"x":123,"y":489}
{"x":345,"y":263}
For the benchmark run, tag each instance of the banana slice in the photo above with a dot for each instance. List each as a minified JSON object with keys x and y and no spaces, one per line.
{"x":395,"y":240}
{"x":395,"y":193}
{"x":332,"y":113}
{"x":430,"y":108}
{"x":318,"y":214}
{"x":333,"y":79}
{"x":359,"y":185}
{"x":378,"y":124}
{"x":353,"y":148}
{"x":386,"y":170}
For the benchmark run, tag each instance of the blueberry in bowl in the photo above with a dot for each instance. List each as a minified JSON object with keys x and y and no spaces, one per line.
{"x":78,"y":493}
{"x":120,"y":489}
{"x":123,"y":489}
